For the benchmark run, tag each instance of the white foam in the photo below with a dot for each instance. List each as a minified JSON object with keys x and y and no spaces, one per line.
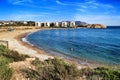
{"x":26,"y":41}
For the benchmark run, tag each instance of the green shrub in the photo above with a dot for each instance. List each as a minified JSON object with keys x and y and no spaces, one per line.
{"x":15,"y":56}
{"x":108,"y":74}
{"x":101,"y":73}
{"x":5,"y":71}
{"x":31,"y":74}
{"x":4,"y":60}
{"x":7,"y":56}
{"x":53,"y":69}
{"x":3,"y":50}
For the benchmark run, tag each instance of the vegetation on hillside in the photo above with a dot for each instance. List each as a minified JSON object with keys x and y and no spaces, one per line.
{"x":53,"y":69}
{"x":100,"y":73}
{"x":5,"y":71}
{"x":7,"y":56}
{"x":57,"y":69}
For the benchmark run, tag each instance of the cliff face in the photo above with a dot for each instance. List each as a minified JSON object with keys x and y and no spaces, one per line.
{"x":96,"y":26}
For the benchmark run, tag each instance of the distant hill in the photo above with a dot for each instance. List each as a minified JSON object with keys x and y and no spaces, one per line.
{"x":80,"y":23}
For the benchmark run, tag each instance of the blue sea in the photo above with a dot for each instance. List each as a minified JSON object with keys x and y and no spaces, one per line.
{"x":96,"y":45}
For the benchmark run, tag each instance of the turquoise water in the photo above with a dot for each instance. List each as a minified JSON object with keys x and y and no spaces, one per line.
{"x":97,"y":45}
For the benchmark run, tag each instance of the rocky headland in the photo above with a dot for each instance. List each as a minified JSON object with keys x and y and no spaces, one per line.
{"x":96,"y":26}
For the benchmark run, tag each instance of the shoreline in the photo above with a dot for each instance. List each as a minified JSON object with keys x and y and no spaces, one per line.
{"x":14,"y":44}
{"x":19,"y":39}
{"x":67,"y":58}
{"x":22,"y":47}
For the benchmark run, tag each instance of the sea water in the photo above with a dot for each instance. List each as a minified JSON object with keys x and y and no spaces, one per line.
{"x":97,"y":45}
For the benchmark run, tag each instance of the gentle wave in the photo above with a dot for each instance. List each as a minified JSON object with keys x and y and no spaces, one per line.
{"x":25,"y":39}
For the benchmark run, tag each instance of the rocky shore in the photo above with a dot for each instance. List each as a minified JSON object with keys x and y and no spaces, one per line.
{"x":96,"y":26}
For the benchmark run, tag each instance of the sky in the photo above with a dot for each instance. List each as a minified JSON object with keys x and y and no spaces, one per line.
{"x":91,"y":11}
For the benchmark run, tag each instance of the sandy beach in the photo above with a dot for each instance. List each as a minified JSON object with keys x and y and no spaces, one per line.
{"x":14,"y":42}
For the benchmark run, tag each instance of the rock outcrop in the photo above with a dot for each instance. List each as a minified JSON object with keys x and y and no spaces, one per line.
{"x":96,"y":26}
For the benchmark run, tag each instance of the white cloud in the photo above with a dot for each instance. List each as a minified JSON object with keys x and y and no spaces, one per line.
{"x":102,"y":5}
{"x":95,"y":7}
{"x":102,"y":19}
{"x":60,"y":3}
{"x":81,"y":10}
{"x":29,"y":3}
{"x":83,"y":6}
{"x":23,"y":16}
{"x":90,"y":1}
{"x":20,"y":1}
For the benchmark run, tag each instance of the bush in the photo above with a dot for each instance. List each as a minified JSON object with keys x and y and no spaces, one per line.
{"x":4,"y":60}
{"x":5,"y":71}
{"x":3,"y":50}
{"x":101,"y":73}
{"x":108,"y":74}
{"x":52,"y":69}
{"x":7,"y":56}
{"x":57,"y":69}
{"x":10,"y":54}
{"x":15,"y":56}
{"x":31,"y":74}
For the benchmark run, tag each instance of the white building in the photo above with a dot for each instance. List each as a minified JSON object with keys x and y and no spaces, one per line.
{"x":56,"y":24}
{"x":47,"y":24}
{"x":38,"y":24}
{"x":5,"y":23}
{"x":72,"y":24}
{"x":25,"y":22}
{"x":11,"y":22}
{"x":64,"y":24}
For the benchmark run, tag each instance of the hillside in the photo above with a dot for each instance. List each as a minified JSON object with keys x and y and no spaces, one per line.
{"x":15,"y":66}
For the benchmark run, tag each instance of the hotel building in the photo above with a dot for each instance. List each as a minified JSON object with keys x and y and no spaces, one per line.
{"x":56,"y":24}
{"x":72,"y":24}
{"x":64,"y":24}
{"x":47,"y":24}
{"x":38,"y":24}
